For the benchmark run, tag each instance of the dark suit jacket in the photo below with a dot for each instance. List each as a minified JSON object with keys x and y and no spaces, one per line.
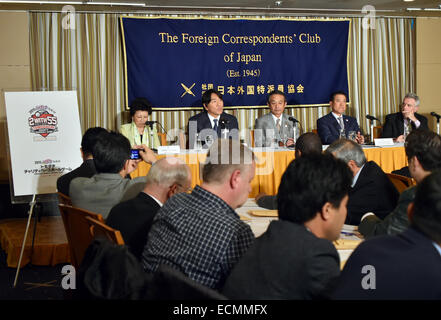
{"x":203,"y":122}
{"x":394,"y":223}
{"x":86,"y":170}
{"x":286,"y":262}
{"x":394,"y":125}
{"x":134,"y":219}
{"x":329,"y":130}
{"x":407,"y":267}
{"x":373,"y":192}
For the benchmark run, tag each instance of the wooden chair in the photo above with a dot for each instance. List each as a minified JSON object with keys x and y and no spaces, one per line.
{"x":400,"y":182}
{"x":100,"y":229}
{"x":377,"y":131}
{"x":162,"y":138}
{"x":314,"y":131}
{"x":77,"y":229}
{"x":252,"y":138}
{"x":64,"y":199}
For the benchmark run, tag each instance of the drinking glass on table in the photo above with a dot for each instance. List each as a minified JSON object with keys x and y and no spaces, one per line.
{"x":352,"y":135}
{"x":342,"y":134}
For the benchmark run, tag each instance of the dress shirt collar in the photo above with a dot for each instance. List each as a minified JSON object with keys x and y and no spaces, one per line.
{"x":437,"y":247}
{"x":275,"y":118}
{"x":159,"y":202}
{"x":354,"y":180}
{"x":212,"y":118}
{"x":336,"y":116}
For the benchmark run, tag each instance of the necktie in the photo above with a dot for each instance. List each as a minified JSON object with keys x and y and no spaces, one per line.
{"x":340,"y":122}
{"x":215,"y":125}
{"x":278,"y":125}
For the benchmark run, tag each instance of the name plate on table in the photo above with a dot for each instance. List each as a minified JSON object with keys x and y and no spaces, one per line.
{"x":384,"y":142}
{"x":169,"y":149}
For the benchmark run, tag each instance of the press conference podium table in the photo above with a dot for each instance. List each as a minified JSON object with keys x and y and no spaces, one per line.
{"x":271,"y":164}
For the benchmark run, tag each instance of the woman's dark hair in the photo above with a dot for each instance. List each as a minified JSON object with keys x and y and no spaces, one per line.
{"x":140,"y":104}
{"x":308,"y":183}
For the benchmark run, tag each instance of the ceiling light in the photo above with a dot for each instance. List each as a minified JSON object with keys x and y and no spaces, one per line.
{"x":408,"y":0}
{"x":135,"y":4}
{"x":414,"y":9}
{"x":41,"y":2}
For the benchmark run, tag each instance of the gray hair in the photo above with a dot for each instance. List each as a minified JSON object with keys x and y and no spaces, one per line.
{"x":413,"y":96}
{"x":167,"y":171}
{"x":347,"y":150}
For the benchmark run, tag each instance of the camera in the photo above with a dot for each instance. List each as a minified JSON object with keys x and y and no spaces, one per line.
{"x":134,"y":154}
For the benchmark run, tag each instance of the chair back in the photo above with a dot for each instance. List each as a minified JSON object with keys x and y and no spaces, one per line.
{"x":77,"y":229}
{"x":162,"y":138}
{"x":400,"y":182}
{"x":377,"y":131}
{"x":314,"y":131}
{"x":100,"y":229}
{"x":64,"y":199}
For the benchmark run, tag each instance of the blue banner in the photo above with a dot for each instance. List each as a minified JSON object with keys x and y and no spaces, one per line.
{"x":171,"y":62}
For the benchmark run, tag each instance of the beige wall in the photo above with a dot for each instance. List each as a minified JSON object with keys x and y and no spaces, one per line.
{"x":428,"y":66}
{"x":15,"y":71}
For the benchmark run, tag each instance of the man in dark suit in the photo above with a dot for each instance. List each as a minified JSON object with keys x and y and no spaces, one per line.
{"x":423,"y":151}
{"x":371,"y":189}
{"x":212,"y":121}
{"x":295,"y":257}
{"x":134,"y":217}
{"x":87,"y":168}
{"x":405,"y":266}
{"x":335,"y":124}
{"x":398,"y":125}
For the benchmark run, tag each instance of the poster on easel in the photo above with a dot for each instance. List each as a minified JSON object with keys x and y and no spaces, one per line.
{"x":44,"y":139}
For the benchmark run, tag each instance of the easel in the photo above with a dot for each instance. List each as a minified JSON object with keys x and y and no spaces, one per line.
{"x":31,"y":210}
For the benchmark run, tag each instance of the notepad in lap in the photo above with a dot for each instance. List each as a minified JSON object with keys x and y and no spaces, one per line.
{"x":342,"y":244}
{"x":263,"y":213}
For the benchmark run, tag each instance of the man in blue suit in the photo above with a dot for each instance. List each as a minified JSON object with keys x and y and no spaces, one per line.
{"x":212,"y":120}
{"x":335,"y":124}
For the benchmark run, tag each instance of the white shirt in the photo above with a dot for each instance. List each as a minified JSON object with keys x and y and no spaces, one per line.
{"x":354,"y":180}
{"x":437,"y":247}
{"x":211,"y":120}
{"x":275,"y":119}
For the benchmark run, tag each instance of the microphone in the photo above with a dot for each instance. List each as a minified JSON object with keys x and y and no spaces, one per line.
{"x":150,"y":123}
{"x":293,"y":119}
{"x":371,"y":118}
{"x":434,"y":114}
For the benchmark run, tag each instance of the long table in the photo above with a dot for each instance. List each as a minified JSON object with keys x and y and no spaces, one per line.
{"x":271,"y":164}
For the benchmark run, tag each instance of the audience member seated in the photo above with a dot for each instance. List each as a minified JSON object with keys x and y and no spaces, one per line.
{"x":295,"y":257}
{"x":137,"y":131}
{"x":87,"y":168}
{"x":200,"y":234}
{"x":404,"y":266}
{"x":109,"y":187}
{"x":210,"y":121}
{"x":335,"y":124}
{"x":399,"y":125}
{"x":371,"y":189}
{"x":307,"y":143}
{"x":275,"y":126}
{"x":423,"y":150}
{"x":134,"y":217}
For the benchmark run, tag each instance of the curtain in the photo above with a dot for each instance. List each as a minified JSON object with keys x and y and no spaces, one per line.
{"x":381,"y":70}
